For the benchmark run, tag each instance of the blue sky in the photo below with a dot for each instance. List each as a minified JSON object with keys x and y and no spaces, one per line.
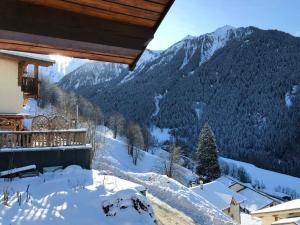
{"x":196,"y":17}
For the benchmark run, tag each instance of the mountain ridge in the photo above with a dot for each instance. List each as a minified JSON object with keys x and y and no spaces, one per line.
{"x":237,"y":79}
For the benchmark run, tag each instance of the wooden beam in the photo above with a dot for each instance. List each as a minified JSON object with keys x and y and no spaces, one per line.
{"x":95,"y":12}
{"x":148,"y":5}
{"x":21,"y":69}
{"x":28,"y":47}
{"x":37,"y":20}
{"x":16,"y":37}
{"x":119,"y":8}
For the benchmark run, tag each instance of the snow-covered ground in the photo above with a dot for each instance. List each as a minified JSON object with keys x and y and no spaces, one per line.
{"x":115,"y":152}
{"x":74,"y":196}
{"x":160,"y":134}
{"x":113,"y":157}
{"x":166,"y":215}
{"x":157,"y":99}
{"x":271,"y":180}
{"x":247,"y":219}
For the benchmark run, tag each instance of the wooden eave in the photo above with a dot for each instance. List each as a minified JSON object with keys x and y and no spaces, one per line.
{"x":107,"y":30}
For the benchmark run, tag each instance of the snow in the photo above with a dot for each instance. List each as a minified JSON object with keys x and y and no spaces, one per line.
{"x":167,"y":215}
{"x":32,"y":109}
{"x":288,"y":100}
{"x":157,"y":99}
{"x":295,"y":220}
{"x":160,"y":134}
{"x":253,"y":200}
{"x":17,"y":170}
{"x":113,"y":157}
{"x":190,"y":50}
{"x":226,"y":181}
{"x":147,"y":57}
{"x":272,"y":180}
{"x":115,"y":152}
{"x":290,"y":95}
{"x":291,"y":205}
{"x":247,"y":219}
{"x":218,"y":194}
{"x":215,"y":41}
{"x":74,"y":196}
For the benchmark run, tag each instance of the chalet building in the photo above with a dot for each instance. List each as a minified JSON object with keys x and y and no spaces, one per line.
{"x":287,"y":213}
{"x":114,"y":31}
{"x":17,"y":86}
{"x":222,"y":197}
{"x":253,"y":199}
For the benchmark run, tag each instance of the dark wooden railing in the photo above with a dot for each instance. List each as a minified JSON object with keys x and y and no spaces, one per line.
{"x":48,"y":138}
{"x":30,"y":86}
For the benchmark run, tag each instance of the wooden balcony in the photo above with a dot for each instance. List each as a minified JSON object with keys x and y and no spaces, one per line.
{"x":30,"y":86}
{"x":39,"y":139}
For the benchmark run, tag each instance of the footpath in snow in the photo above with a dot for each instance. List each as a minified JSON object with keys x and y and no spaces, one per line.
{"x":113,"y":157}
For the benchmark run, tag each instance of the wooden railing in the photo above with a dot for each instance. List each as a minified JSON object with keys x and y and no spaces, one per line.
{"x":30,"y":85}
{"x":49,"y":138}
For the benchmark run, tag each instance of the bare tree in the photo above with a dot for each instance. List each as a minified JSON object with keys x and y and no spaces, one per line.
{"x":116,"y":123}
{"x":135,"y":141}
{"x":174,"y":156}
{"x":148,"y":139}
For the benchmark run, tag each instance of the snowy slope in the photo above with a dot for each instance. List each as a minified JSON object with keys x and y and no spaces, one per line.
{"x":270,"y":179}
{"x":113,"y":157}
{"x":75,"y":196}
{"x":93,"y":73}
{"x":115,"y":151}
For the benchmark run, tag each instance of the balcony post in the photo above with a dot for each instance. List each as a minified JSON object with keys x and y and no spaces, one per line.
{"x":36,"y":76}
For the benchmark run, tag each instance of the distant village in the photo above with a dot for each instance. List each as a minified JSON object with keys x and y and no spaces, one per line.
{"x":234,"y":197}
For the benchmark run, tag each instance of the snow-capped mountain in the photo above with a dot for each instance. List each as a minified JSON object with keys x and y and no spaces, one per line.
{"x":241,"y":80}
{"x":202,"y":47}
{"x":91,"y":74}
{"x":101,"y":73}
{"x":62,"y":67}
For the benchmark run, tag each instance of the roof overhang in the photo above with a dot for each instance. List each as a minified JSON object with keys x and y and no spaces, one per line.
{"x":25,"y":58}
{"x":106,"y":30}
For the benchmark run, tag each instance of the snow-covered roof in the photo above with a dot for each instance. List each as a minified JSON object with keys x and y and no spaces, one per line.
{"x":254,"y":200}
{"x":218,"y":194}
{"x":288,"y":221}
{"x":287,"y":206}
{"x":226,"y":181}
{"x":28,"y":56}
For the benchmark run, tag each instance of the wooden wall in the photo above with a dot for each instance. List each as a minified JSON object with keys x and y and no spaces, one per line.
{"x":46,"y":158}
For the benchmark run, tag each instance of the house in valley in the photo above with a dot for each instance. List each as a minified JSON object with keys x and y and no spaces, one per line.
{"x":222,"y":197}
{"x":254,"y":199}
{"x":287,"y":213}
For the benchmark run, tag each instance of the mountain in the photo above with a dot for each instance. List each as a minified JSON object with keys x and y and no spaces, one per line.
{"x":104,"y":73}
{"x":62,"y":66}
{"x":244,"y":81}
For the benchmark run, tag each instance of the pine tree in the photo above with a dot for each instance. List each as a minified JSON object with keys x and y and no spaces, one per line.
{"x":207,"y":155}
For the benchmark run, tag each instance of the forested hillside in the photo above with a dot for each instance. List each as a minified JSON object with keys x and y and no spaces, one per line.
{"x":244,"y":82}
